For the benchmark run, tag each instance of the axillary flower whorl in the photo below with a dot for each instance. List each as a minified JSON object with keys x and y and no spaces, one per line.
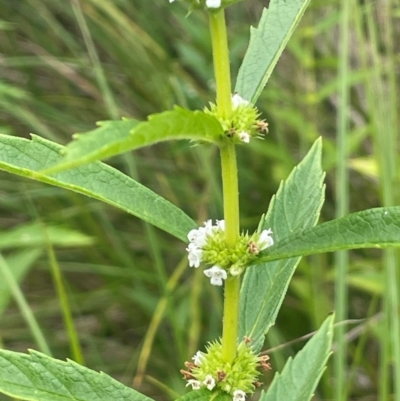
{"x":238,"y":378}
{"x":208,"y":245}
{"x":242,"y":124}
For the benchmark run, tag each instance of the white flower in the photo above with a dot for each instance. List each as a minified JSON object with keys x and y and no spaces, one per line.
{"x":208,"y":227}
{"x":221,"y":224}
{"x":194,"y":383}
{"x":239,"y":395}
{"x":209,"y":382}
{"x":195,"y":255}
{"x":244,"y":137}
{"x":237,"y":101}
{"x":213,"y":3}
{"x":171,"y":1}
{"x":198,"y":237}
{"x":198,"y":358}
{"x":265,"y":240}
{"x":216,"y":274}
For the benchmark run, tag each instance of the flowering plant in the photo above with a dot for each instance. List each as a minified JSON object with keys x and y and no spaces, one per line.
{"x":253,"y":269}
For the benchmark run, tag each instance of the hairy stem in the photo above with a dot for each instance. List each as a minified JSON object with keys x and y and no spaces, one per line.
{"x":221,"y":62}
{"x":229,"y":180}
{"x":232,"y":285}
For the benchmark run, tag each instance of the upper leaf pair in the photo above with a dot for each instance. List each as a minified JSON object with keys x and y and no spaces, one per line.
{"x":267,"y":43}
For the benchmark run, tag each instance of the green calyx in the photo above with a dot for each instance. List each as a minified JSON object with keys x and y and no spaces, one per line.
{"x":241,"y":125}
{"x":234,"y":258}
{"x":241,"y":374}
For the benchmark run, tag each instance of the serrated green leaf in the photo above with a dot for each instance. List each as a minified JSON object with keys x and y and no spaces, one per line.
{"x":296,"y":206}
{"x":34,"y":234}
{"x":300,"y":376}
{"x":97,"y":180}
{"x":114,"y":137}
{"x":267,"y":43}
{"x":372,"y":228}
{"x":37,"y":377}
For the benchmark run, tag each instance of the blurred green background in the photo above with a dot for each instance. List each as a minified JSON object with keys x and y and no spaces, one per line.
{"x":140,"y":312}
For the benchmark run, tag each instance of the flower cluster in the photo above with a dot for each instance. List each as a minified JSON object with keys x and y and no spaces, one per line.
{"x":243,"y":123}
{"x":238,"y":378}
{"x":198,"y":240}
{"x":208,"y":244}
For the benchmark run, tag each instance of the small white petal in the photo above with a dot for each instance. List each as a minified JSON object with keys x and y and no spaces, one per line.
{"x":239,"y":395}
{"x":209,"y":382}
{"x":265,"y":239}
{"x":171,"y":1}
{"x":198,"y":236}
{"x":194,"y":383}
{"x":244,"y":137}
{"x":208,"y":227}
{"x":198,"y":358}
{"x":237,"y":101}
{"x":213,"y":3}
{"x":221,"y":224}
{"x":195,"y":255}
{"x":216,"y":281}
{"x":216,"y":275}
{"x":192,"y":235}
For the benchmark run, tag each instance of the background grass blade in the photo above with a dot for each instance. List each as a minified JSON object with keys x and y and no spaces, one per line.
{"x":31,"y":235}
{"x":12,"y":285}
{"x":342,"y":198}
{"x":17,"y":264}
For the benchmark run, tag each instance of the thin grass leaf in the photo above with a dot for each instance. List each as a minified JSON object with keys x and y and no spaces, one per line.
{"x":37,"y":377}
{"x":20,"y":263}
{"x":97,"y":180}
{"x":32,"y":234}
{"x":13,"y":286}
{"x":267,"y":43}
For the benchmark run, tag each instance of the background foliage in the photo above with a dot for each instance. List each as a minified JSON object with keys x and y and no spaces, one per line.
{"x":65,"y":65}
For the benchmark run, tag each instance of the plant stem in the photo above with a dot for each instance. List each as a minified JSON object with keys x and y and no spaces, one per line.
{"x":222,"y":72}
{"x":230,"y":192}
{"x":229,"y":180}
{"x":232,"y":285}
